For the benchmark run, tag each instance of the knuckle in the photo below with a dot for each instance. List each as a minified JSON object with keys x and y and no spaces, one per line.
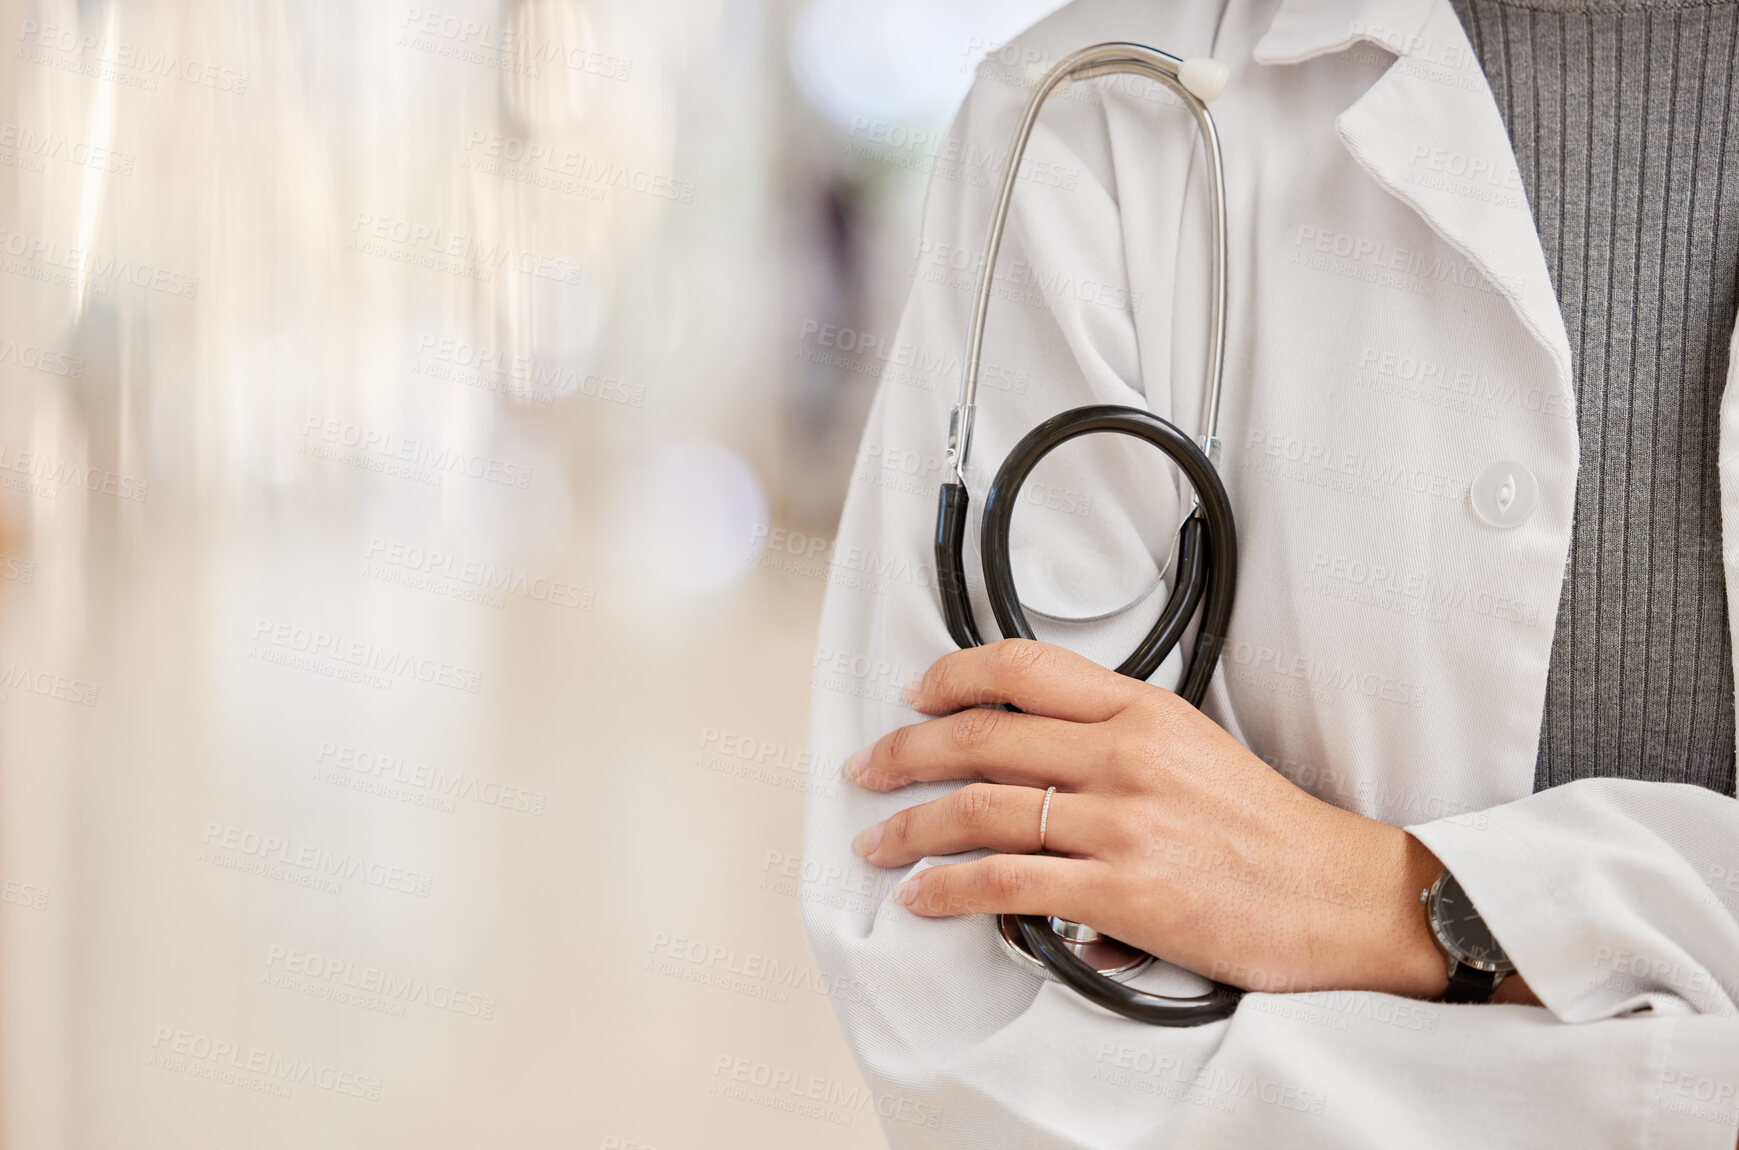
{"x":938,"y":889}
{"x":895,"y":745}
{"x":1129,"y":826}
{"x":1006,"y":880}
{"x":1018,"y":656}
{"x":897,"y":831}
{"x":1139,"y":751}
{"x":976,"y":806}
{"x":938,"y":681}
{"x":976,"y":727}
{"x":1162,"y":713}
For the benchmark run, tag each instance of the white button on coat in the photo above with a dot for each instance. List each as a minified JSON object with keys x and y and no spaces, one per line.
{"x":1504,"y":494}
{"x":1392,"y":331}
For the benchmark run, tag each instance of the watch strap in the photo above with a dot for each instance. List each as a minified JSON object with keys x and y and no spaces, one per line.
{"x":1467,"y":984}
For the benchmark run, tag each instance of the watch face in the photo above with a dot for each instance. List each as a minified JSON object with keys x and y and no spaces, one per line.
{"x":1462,"y":931}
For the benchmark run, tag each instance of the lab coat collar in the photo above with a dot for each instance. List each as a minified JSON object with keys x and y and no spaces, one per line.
{"x":1429,"y":132}
{"x":1303,"y":29}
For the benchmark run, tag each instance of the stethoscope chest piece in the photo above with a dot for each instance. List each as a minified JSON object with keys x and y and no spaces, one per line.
{"x":1110,"y":958}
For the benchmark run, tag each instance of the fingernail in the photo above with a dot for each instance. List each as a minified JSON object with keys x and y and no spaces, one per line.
{"x":907,"y":892}
{"x":866,"y":842}
{"x":910,"y":692}
{"x":854,"y":765}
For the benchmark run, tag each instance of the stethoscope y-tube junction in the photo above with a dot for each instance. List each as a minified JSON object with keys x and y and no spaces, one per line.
{"x":1207,"y":547}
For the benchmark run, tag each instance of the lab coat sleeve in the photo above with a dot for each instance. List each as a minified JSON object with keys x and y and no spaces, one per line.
{"x":964,"y":1047}
{"x":1612,"y":896}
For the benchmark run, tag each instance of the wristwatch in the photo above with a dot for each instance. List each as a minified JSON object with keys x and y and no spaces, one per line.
{"x":1473,"y":958}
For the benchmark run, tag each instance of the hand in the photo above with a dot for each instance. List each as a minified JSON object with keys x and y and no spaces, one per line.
{"x":1164,"y":831}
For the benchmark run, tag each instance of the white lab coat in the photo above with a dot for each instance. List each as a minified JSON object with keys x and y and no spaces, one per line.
{"x":1394,"y":332}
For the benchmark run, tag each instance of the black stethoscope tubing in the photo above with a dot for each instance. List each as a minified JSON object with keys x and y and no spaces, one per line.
{"x":1207,"y":565}
{"x":1206,"y":576}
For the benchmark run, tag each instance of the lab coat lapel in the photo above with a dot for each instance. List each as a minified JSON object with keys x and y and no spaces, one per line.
{"x":1729,"y":472}
{"x":1430,"y":133}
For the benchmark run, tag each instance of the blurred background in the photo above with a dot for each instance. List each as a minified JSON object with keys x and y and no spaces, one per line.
{"x":421,"y":434}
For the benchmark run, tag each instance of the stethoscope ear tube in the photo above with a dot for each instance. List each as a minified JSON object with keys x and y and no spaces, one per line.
{"x":951,"y":565}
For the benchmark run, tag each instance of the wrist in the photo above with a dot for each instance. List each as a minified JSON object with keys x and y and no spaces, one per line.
{"x":1405,"y":958}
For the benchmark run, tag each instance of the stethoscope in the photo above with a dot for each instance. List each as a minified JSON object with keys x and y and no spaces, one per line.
{"x":1092,"y":964}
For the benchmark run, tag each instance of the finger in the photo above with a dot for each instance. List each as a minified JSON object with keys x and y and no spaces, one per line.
{"x":983,"y":743}
{"x":1075,"y":889}
{"x":1039,"y":678}
{"x":986,"y":816}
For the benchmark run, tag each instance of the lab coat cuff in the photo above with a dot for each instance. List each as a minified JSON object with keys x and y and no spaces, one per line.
{"x":1589,"y":891}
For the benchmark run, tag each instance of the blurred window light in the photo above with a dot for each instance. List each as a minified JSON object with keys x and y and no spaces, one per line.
{"x":898,"y":60}
{"x":686,"y":519}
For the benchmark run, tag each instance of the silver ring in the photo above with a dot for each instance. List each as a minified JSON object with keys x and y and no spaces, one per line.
{"x":1045,"y":816}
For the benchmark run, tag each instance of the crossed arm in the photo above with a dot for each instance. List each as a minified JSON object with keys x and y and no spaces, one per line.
{"x":1165,"y":832}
